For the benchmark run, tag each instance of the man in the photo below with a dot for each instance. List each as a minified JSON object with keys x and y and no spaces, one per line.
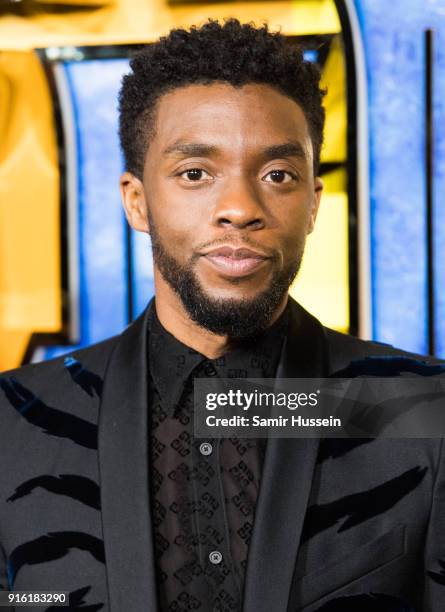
{"x":106,"y":493}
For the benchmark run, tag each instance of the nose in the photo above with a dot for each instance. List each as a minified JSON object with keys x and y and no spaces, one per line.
{"x":239,"y":206}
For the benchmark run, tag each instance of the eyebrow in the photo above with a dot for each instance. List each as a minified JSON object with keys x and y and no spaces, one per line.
{"x":193,"y":149}
{"x":287,"y":149}
{"x":196,"y":149}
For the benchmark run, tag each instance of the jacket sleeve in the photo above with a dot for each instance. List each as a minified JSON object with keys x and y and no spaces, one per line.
{"x":434,"y":595}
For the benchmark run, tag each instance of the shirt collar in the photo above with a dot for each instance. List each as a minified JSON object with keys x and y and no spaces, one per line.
{"x":172,"y":362}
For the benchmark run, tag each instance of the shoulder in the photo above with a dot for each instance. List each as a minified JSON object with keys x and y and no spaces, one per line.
{"x":354,"y":356}
{"x":55,"y":380}
{"x":95,"y":355}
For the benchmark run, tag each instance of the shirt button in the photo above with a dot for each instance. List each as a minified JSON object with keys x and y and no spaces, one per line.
{"x":205,"y":448}
{"x":209,"y":369}
{"x":215,"y":557}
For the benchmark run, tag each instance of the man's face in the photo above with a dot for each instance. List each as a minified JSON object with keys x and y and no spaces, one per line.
{"x":229,"y":196}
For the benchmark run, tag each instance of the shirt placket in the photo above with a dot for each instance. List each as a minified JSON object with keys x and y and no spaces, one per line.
{"x":211,"y":519}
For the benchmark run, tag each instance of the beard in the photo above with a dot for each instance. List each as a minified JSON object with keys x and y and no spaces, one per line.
{"x":237,"y":318}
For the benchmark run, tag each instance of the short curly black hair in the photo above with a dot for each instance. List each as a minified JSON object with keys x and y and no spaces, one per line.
{"x":231,"y":52}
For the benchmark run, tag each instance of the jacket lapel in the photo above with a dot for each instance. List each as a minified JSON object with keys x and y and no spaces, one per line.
{"x":286,"y":479}
{"x":124,"y":475}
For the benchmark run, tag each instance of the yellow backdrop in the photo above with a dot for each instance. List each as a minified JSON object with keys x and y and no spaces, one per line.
{"x":30,"y":288}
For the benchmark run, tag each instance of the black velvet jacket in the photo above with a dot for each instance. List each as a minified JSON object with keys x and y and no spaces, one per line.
{"x":340,"y":524}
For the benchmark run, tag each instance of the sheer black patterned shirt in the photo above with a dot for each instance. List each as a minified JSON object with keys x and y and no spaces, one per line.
{"x":203,"y":492}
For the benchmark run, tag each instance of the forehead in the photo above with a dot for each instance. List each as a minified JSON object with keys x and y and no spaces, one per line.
{"x":253,"y":115}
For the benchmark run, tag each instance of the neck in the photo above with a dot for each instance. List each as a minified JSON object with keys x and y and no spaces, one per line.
{"x":176,"y":320}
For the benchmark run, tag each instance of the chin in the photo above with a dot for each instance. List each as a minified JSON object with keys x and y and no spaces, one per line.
{"x":242,"y":297}
{"x":242,"y":288}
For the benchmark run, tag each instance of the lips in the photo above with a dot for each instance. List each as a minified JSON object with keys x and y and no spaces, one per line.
{"x":235,"y":262}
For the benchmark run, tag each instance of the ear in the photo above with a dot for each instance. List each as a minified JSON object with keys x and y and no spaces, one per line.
{"x":133,"y":201}
{"x":318,"y":190}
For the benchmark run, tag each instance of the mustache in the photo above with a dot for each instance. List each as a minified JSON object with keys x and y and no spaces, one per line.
{"x":237,"y":241}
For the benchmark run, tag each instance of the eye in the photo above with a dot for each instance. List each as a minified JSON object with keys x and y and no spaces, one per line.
{"x":194,"y":174}
{"x":279,"y":176}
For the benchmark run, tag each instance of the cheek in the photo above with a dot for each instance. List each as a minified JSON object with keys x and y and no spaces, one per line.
{"x":182,"y":218}
{"x":175,"y":220}
{"x":295,"y":231}
{"x":175,"y":237}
